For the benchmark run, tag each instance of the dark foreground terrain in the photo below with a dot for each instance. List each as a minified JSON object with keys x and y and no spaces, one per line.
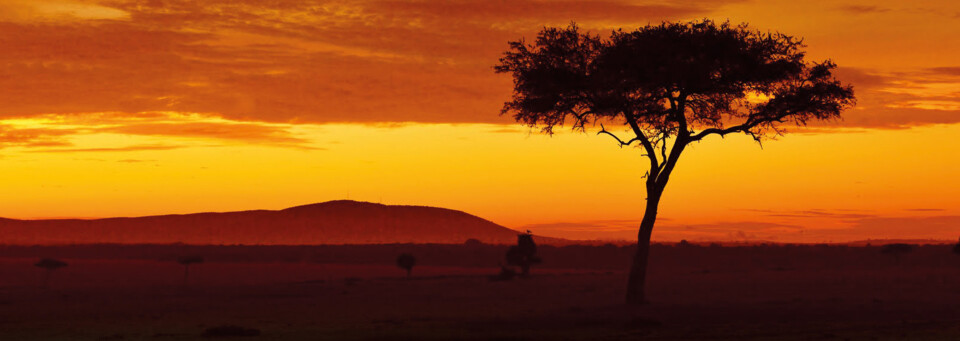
{"x":732,"y":293}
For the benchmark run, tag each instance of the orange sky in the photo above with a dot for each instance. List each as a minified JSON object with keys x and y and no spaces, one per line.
{"x":125,"y":108}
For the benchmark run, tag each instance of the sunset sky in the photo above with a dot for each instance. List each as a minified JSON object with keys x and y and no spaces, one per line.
{"x":130,"y":108}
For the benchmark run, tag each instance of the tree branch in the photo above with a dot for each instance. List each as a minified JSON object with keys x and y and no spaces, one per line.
{"x":645,"y":142}
{"x":603,"y":130}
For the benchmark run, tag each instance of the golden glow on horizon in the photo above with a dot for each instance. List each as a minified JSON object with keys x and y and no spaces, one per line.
{"x":508,"y":175}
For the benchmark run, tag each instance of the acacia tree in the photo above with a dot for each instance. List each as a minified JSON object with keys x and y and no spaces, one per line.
{"x":524,"y":254}
{"x":186,"y":261}
{"x":668,"y":86}
{"x":406,"y":261}
{"x":49,"y":264}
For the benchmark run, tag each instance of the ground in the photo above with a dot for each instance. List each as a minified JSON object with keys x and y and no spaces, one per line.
{"x":143,"y":299}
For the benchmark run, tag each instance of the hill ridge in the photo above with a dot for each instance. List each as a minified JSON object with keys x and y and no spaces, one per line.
{"x":330,"y":222}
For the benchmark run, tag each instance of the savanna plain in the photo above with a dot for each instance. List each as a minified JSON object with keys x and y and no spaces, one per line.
{"x":696,"y":292}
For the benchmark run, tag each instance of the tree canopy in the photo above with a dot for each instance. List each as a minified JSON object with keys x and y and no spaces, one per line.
{"x":672,"y":83}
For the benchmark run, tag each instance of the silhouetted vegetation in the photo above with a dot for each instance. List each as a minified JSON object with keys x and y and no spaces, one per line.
{"x":229,"y":331}
{"x":956,"y":248}
{"x":524,"y":254}
{"x":896,"y":250}
{"x":406,"y":261}
{"x":186,"y":262}
{"x":49,"y":264}
{"x":597,"y":257}
{"x":668,"y":86}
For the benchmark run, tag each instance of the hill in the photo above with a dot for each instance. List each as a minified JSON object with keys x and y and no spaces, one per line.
{"x":333,"y":222}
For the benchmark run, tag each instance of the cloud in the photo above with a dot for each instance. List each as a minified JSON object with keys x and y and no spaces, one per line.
{"x":863,"y":9}
{"x":346,"y":61}
{"x":902,"y":99}
{"x":29,"y":11}
{"x":934,"y":227}
{"x":247,"y":132}
{"x":11,"y":136}
{"x":291,"y":61}
{"x":952,"y":71}
{"x":816,"y":213}
{"x":590,"y":225}
{"x":133,"y":148}
{"x":40,"y":133}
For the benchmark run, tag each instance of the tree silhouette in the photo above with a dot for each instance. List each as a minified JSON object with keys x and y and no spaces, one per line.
{"x":956,"y":248}
{"x":406,"y":261}
{"x":186,"y":261}
{"x":523,"y":254}
{"x":668,"y":86}
{"x":49,"y":264}
{"x":896,"y":250}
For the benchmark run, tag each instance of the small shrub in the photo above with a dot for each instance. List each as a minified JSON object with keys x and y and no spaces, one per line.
{"x":406,"y":261}
{"x":896,"y":250}
{"x":523,"y":254}
{"x":50,"y":265}
{"x":230,"y":331}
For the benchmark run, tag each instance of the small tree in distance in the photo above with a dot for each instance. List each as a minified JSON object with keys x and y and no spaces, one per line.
{"x":523,"y":254}
{"x":186,"y":262}
{"x":406,"y":261}
{"x":668,"y":86}
{"x":49,"y":264}
{"x":956,"y":248}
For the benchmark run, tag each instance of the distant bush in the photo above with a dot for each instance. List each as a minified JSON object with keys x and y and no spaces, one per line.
{"x":230,"y":331}
{"x":896,"y":250}
{"x":473,"y":242}
{"x":523,"y":254}
{"x":406,"y":261}
{"x":50,"y":265}
{"x":186,"y":261}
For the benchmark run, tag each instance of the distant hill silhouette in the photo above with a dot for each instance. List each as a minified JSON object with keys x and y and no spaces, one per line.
{"x":333,"y":222}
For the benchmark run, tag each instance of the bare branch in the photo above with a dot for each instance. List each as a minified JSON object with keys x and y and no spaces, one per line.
{"x":603,"y":130}
{"x":645,"y":142}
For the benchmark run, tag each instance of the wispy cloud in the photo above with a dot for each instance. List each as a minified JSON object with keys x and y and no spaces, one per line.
{"x":133,"y":148}
{"x":863,"y":9}
{"x":43,"y":132}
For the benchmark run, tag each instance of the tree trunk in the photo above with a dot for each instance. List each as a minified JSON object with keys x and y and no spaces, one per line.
{"x":638,"y":269}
